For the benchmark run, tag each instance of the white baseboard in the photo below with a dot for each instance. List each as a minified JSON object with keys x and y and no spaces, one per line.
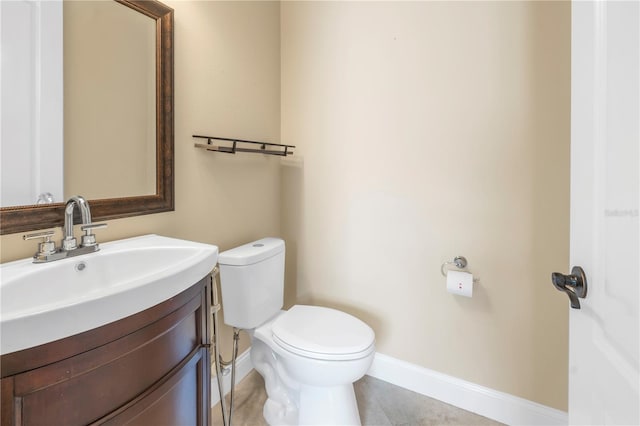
{"x":496,"y":405}
{"x":499,"y":406}
{"x":243,"y":367}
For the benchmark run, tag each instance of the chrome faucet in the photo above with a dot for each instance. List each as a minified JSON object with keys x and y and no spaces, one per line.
{"x":47,"y":251}
{"x":69,"y":241}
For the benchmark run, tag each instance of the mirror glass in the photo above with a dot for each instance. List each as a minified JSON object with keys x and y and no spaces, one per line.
{"x":109,"y":100}
{"x":98,"y":76}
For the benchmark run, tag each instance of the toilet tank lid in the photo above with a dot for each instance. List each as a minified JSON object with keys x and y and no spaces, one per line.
{"x":252,"y":252}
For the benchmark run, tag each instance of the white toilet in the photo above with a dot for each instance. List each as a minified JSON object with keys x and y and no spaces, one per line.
{"x":309,"y":356}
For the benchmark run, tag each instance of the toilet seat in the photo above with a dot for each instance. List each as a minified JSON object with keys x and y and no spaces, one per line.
{"x":323,"y":333}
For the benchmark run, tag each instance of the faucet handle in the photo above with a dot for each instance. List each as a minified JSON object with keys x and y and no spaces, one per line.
{"x":45,"y":247}
{"x":89,"y":239}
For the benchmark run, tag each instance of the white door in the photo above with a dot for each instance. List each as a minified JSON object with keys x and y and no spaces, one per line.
{"x":604,"y":354}
{"x":31,"y":104}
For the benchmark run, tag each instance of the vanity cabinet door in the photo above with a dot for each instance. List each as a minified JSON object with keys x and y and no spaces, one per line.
{"x":156,"y":373}
{"x":181,"y":399}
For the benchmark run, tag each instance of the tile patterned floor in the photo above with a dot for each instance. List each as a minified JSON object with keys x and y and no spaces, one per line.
{"x":379,"y":403}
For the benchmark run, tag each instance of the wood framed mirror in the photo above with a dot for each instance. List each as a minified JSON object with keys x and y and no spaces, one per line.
{"x":15,"y":219}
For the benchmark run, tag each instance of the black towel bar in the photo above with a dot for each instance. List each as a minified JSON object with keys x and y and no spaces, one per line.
{"x":275,"y":148}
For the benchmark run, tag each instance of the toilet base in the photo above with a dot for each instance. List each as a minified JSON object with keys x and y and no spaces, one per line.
{"x":335,"y":405}
{"x":290,"y":402}
{"x":328,"y":406}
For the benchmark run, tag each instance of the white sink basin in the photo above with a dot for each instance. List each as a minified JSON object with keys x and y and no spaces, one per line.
{"x":40,"y":303}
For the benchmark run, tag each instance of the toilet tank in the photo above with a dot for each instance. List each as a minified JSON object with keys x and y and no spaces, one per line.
{"x":252,"y":282}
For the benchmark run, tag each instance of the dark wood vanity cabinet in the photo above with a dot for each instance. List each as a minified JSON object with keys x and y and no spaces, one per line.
{"x":152,"y":368}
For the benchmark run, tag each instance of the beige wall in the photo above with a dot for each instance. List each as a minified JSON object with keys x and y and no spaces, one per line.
{"x":430,"y":130}
{"x":227,"y":83}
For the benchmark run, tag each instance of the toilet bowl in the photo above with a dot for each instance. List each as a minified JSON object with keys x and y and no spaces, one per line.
{"x":309,"y":356}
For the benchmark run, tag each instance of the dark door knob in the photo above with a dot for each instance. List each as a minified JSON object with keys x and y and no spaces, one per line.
{"x":575,"y":285}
